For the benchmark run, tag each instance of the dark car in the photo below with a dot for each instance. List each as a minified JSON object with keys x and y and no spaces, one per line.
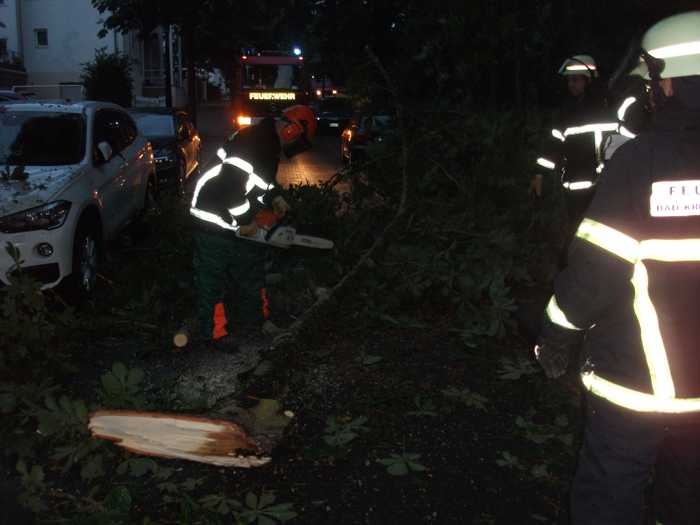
{"x":175,"y":141}
{"x":366,"y":130}
{"x":333,"y":114}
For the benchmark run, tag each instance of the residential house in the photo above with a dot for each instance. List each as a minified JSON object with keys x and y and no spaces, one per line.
{"x":57,"y":37}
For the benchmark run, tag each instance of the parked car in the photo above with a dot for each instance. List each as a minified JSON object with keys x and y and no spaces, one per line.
{"x":176,"y":144}
{"x":366,"y":130}
{"x":333,"y":114}
{"x":8,"y":95}
{"x":74,"y":176}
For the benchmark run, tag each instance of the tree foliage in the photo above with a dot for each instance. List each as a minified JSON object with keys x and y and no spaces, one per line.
{"x":500,"y":52}
{"x":221,"y":27}
{"x":108,"y":78}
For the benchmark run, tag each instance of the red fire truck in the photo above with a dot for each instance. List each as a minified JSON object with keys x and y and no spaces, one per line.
{"x":265,"y":84}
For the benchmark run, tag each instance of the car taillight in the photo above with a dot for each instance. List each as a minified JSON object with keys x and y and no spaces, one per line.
{"x":243,"y":120}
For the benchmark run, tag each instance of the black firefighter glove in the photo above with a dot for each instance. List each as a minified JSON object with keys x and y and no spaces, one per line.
{"x":554,"y":347}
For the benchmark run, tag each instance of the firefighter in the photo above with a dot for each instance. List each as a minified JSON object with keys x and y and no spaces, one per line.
{"x":574,"y":151}
{"x":629,"y":296}
{"x":228,"y":268}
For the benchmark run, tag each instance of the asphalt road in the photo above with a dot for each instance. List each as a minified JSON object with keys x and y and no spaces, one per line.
{"x":311,"y":167}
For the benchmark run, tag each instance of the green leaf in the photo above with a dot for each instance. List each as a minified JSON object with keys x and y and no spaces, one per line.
{"x":398,"y":468}
{"x":120,"y":372}
{"x":48,"y":424}
{"x":21,"y":467}
{"x":50,"y":403}
{"x":267,"y":498}
{"x":264,"y":520}
{"x":416,"y":467}
{"x":190,"y":484}
{"x":223,"y":508}
{"x":66,"y":405}
{"x":36,"y":475}
{"x":81,"y":410}
{"x":12,"y":251}
{"x":251,"y":500}
{"x":122,"y":468}
{"x":282,"y":512}
{"x":136,"y":376}
{"x":141,"y":466}
{"x":111,"y":384}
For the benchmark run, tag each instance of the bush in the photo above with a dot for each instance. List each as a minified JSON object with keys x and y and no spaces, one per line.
{"x":108,"y":78}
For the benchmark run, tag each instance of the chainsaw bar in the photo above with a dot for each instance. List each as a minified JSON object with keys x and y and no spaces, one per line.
{"x":286,"y":236}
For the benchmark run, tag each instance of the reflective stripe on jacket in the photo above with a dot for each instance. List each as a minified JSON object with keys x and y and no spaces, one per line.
{"x":237,"y":192}
{"x":634,"y":272}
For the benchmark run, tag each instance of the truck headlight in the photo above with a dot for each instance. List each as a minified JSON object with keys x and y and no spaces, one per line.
{"x":45,"y":217}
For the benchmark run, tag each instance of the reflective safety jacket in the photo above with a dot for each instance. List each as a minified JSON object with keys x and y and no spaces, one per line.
{"x":575,"y":150}
{"x":229,"y":194}
{"x":633,"y":280}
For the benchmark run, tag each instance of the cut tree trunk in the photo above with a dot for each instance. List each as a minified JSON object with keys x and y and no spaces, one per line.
{"x":213,"y":441}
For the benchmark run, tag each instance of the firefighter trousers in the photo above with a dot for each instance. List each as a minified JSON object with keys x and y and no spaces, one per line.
{"x":577,"y":202}
{"x":229,"y":276}
{"x":624,"y":454}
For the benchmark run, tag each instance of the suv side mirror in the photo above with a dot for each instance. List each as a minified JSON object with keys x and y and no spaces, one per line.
{"x":105,"y":151}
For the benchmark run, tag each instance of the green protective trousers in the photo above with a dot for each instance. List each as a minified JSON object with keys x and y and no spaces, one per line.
{"x":229,"y":276}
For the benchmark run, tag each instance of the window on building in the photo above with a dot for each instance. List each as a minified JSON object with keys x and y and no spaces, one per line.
{"x":41,"y":37}
{"x":3,"y":45}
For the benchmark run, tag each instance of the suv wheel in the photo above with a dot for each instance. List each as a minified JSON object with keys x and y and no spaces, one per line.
{"x":86,"y":259}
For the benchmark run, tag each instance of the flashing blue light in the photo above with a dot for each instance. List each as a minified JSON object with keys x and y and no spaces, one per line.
{"x":297,"y":51}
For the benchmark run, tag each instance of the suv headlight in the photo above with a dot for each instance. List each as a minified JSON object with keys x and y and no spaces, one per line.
{"x":45,"y":217}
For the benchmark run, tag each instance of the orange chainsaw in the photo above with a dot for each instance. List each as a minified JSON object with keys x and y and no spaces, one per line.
{"x":273,"y":232}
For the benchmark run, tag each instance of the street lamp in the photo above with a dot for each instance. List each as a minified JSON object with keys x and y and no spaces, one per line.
{"x":297,"y":51}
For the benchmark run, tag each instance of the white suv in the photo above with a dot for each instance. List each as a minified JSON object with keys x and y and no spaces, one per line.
{"x":71,"y":177}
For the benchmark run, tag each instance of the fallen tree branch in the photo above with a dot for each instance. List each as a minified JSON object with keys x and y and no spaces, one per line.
{"x":292,"y":333}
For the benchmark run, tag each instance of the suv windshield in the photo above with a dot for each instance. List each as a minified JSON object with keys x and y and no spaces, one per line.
{"x":33,"y":138}
{"x":153,"y":125}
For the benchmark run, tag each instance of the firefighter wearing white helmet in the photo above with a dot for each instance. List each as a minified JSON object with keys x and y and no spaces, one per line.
{"x":629,"y":296}
{"x":573,"y":151}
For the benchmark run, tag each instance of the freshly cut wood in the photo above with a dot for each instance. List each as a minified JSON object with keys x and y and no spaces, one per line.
{"x":213,"y":441}
{"x":181,"y":338}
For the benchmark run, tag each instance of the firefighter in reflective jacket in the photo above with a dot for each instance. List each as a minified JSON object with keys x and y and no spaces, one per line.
{"x":574,"y":151}
{"x":228,"y":269}
{"x":630,"y":296}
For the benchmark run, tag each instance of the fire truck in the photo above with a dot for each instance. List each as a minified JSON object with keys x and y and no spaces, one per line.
{"x":265,"y":83}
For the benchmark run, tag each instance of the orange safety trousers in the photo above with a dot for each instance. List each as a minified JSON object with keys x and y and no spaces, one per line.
{"x":221,"y":321}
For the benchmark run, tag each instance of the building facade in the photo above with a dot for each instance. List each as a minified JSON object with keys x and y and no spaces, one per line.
{"x":55,"y":38}
{"x":11,"y":66}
